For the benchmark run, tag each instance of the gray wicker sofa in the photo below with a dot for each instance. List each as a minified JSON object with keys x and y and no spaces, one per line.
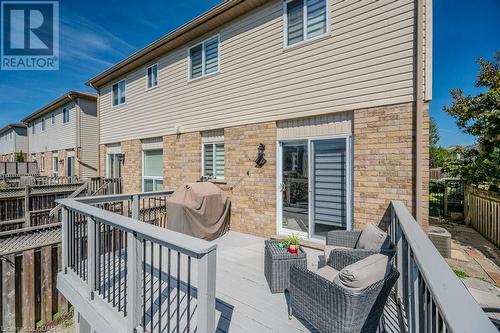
{"x":330,"y":307}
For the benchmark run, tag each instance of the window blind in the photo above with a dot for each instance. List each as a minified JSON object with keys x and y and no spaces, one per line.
{"x":330,"y":182}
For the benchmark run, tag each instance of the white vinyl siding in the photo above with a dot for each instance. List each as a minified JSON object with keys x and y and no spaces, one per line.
{"x":152,"y":170}
{"x":366,"y":62}
{"x":204,"y":58}
{"x":213,"y":160}
{"x":305,"y":20}
{"x":88,"y":139}
{"x":119,"y":93}
{"x":60,"y":136}
{"x":152,"y":76}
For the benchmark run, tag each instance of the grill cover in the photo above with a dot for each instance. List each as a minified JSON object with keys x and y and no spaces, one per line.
{"x":201,"y":210}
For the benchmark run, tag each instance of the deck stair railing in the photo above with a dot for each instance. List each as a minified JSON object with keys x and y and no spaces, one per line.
{"x":432,"y":297}
{"x":156,"y":279}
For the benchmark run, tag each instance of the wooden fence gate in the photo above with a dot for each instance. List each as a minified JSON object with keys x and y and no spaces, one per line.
{"x":482,"y":212}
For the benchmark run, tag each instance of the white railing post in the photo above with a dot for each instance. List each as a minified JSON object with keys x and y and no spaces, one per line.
{"x":135,"y":207}
{"x":206,"y":292}
{"x":91,"y":256}
{"x":134,"y":258}
{"x":65,"y":240}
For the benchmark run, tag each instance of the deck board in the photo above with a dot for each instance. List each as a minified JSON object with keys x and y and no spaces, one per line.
{"x":244,"y":302}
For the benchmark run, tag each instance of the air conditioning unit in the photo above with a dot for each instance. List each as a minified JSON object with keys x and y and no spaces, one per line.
{"x":441,"y":238}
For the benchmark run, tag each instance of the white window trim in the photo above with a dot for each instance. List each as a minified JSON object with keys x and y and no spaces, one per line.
{"x":43,"y":121}
{"x":33,"y":128}
{"x":53,"y":118}
{"x":108,"y":169}
{"x":213,"y":158}
{"x":147,"y":79}
{"x":153,"y":178}
{"x":67,"y":112}
{"x":42,"y":162}
{"x":119,"y":104}
{"x":55,"y":173}
{"x":306,"y":40}
{"x":202,"y":43}
{"x":73,"y":165}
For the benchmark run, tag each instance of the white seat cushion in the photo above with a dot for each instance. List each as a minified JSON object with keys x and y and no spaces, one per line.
{"x":373,"y":238}
{"x":327,"y":272}
{"x":364,"y":272}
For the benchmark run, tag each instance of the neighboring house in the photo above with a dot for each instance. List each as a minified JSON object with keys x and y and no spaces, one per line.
{"x":13,"y":140}
{"x":337,"y":91}
{"x":63,"y":136}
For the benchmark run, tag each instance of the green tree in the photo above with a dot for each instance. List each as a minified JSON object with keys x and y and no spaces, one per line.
{"x":20,"y":156}
{"x":433,"y":133}
{"x":480,"y":116}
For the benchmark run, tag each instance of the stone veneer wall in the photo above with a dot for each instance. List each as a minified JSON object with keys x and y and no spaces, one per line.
{"x":181,"y":159}
{"x":254,"y":189}
{"x":384,"y":162}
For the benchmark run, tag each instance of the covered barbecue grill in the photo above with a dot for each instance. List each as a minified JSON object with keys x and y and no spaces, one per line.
{"x":200,"y":209}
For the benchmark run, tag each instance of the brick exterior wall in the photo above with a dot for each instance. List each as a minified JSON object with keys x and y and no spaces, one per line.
{"x":132,"y":166}
{"x":384,"y":162}
{"x":181,"y":159}
{"x":384,"y":167}
{"x":254,"y":193}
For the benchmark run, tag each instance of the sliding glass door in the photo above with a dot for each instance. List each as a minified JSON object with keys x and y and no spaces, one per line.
{"x":314,"y":186}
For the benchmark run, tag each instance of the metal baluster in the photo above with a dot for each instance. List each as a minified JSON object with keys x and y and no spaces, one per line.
{"x":178,"y":290}
{"x":160,"y":272}
{"x":168,"y":290}
{"x":152,"y":285}
{"x":113,"y":235}
{"x":119,"y":271}
{"x":144,"y":284}
{"x":189,"y":296}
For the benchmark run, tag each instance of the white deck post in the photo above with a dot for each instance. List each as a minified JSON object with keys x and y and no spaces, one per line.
{"x":134,"y":270}
{"x":206,"y":292}
{"x":64,"y":247}
{"x":91,"y":255}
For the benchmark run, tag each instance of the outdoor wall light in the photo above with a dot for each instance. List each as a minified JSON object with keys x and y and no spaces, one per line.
{"x":261,"y":153}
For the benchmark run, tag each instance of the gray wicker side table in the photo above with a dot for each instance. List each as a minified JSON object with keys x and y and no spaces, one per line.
{"x":277,"y":263}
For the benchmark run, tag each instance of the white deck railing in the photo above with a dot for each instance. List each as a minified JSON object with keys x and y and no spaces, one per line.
{"x":433,"y":298}
{"x":136,"y":267}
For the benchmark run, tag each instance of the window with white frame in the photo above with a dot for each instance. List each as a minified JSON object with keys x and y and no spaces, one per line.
{"x":152,"y":170}
{"x":55,"y":166}
{"x":305,"y":20}
{"x":213,"y":160}
{"x":42,"y":162}
{"x":33,"y":127}
{"x":65,"y":115}
{"x":118,"y":93}
{"x":113,"y":169}
{"x":204,"y":58}
{"x":152,"y":76}
{"x":44,"y":126}
{"x":70,"y":166}
{"x":53,"y":117}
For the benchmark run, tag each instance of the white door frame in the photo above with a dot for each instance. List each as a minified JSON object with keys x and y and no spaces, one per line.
{"x":279,"y":177}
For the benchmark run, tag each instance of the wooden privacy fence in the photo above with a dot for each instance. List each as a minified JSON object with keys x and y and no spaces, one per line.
{"x":28,"y":289}
{"x":482,"y":212}
{"x":28,"y":206}
{"x":18,"y":168}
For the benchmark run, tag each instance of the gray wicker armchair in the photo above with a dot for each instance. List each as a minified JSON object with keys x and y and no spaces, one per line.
{"x":345,"y":252}
{"x":331,"y":308}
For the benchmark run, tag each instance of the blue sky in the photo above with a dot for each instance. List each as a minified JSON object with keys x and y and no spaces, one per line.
{"x":93,"y":37}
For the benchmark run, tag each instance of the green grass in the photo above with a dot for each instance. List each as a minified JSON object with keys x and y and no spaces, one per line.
{"x":460,"y":274}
